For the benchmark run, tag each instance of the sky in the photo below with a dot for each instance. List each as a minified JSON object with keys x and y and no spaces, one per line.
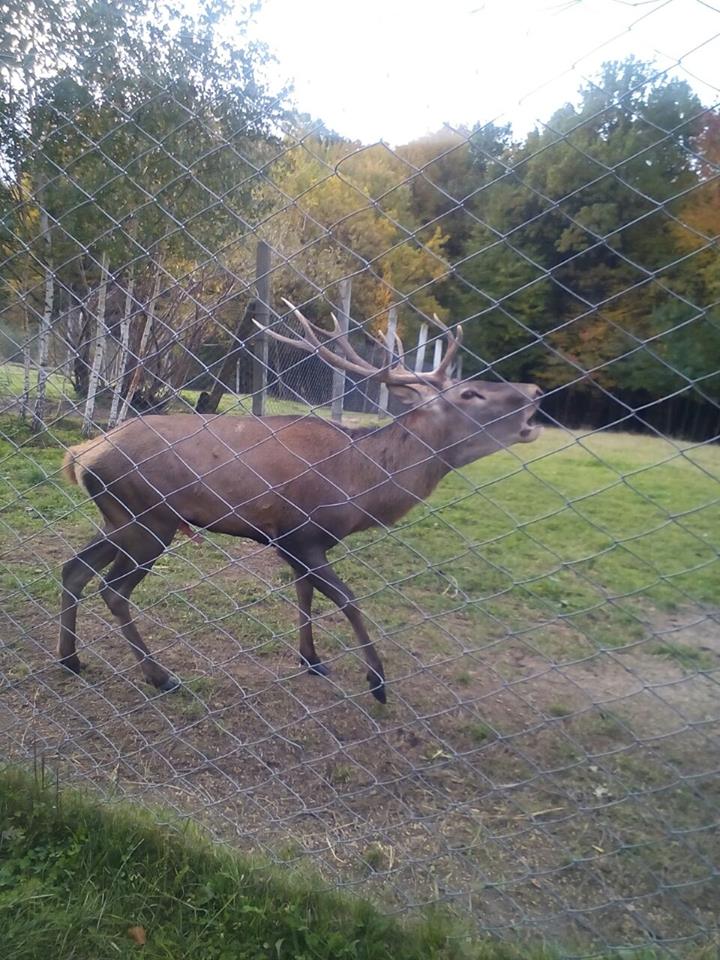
{"x":395,"y":70}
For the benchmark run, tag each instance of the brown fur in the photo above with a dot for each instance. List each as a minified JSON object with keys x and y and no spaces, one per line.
{"x":81,"y":452}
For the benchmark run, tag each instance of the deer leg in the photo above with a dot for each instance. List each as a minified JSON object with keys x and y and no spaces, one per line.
{"x":130,"y":568}
{"x":324,"y":579}
{"x":76,"y":574}
{"x":308,"y":655}
{"x":304,"y":591}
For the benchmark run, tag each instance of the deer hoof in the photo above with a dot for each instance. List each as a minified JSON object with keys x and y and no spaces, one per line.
{"x":72,"y":664}
{"x":167,"y":686}
{"x":315,"y":669}
{"x":377,"y":687}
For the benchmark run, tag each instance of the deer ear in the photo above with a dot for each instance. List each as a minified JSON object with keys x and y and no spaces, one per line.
{"x":411,"y":394}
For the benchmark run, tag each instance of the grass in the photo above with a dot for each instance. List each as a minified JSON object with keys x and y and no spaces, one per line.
{"x":688,"y":657}
{"x":82,"y":879}
{"x":479,"y":732}
{"x":59,"y":387}
{"x":524,"y":754}
{"x":12,"y":383}
{"x":560,"y":710}
{"x":591,"y":533}
{"x":78,"y":879}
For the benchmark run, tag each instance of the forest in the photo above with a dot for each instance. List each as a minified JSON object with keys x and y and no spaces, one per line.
{"x":143,"y":155}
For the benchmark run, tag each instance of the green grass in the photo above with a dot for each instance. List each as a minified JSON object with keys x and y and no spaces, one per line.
{"x":479,"y":732}
{"x":688,"y":657}
{"x":12,"y":383}
{"x":594,"y":534}
{"x":559,"y":710}
{"x":78,"y":878}
{"x":59,"y":387}
{"x":563,"y":547}
{"x":240,"y":404}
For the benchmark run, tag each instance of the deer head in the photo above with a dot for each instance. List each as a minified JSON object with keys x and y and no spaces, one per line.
{"x":467,"y":419}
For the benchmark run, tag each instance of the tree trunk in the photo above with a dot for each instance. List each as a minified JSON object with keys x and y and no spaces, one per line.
{"x":38,"y":421}
{"x":99,"y":355}
{"x":73,"y":329}
{"x":81,"y":358}
{"x":27,"y":362}
{"x":137,"y":376}
{"x":119,"y":377}
{"x":208,"y":401}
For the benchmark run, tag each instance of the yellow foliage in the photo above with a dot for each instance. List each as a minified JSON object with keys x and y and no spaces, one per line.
{"x":351,"y":215}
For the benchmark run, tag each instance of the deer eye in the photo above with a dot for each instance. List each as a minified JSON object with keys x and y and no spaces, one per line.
{"x":469,"y":394}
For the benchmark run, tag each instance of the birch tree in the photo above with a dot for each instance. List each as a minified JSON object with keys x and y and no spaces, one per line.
{"x":139,"y":369}
{"x":38,"y":421}
{"x":99,"y":354}
{"x":122,"y":354}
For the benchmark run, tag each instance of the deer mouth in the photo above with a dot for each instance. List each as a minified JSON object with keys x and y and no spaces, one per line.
{"x":530,"y":429}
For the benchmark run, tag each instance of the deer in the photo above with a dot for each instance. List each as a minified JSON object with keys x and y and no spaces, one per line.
{"x":300,"y":484}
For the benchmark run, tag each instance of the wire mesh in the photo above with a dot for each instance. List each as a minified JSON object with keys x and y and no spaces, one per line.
{"x":547,"y":761}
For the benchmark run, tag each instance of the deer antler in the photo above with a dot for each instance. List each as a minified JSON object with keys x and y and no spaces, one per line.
{"x":454,"y":344}
{"x":351,"y":361}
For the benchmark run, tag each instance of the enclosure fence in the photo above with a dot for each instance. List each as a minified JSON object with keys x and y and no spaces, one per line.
{"x":546,"y":763}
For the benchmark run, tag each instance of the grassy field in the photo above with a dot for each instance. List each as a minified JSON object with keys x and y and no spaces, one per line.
{"x":60,"y":391}
{"x":12,"y":383}
{"x":82,"y":880}
{"x":549,"y":623}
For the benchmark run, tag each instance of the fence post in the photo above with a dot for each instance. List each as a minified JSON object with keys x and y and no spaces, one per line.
{"x":437,"y":357}
{"x":390,"y":346}
{"x":421,"y":348}
{"x":338,"y":384}
{"x":260,"y":341}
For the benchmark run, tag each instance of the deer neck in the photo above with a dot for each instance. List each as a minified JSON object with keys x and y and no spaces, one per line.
{"x":406,"y":450}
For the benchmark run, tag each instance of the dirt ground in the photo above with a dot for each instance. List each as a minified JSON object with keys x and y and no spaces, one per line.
{"x":570,"y":799}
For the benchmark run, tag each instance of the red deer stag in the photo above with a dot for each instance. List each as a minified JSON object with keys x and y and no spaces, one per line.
{"x":299,"y":483}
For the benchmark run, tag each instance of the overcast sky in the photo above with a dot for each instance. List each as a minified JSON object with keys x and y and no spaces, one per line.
{"x":397,"y":69}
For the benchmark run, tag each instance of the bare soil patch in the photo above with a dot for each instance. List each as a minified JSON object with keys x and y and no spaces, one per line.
{"x":577,"y":798}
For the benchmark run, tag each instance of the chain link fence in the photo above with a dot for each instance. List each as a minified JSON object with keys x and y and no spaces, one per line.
{"x":547,"y":760}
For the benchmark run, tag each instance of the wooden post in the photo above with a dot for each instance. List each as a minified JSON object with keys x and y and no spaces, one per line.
{"x":421,"y":348}
{"x":338,"y":384}
{"x":260,"y":341}
{"x":437,"y":357}
{"x":457,"y":367}
{"x":390,"y":346}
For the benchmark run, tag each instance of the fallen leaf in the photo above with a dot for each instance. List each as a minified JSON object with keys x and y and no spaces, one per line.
{"x":138,"y":935}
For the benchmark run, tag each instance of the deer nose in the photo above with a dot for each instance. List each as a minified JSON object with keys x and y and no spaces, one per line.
{"x":532,"y":391}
